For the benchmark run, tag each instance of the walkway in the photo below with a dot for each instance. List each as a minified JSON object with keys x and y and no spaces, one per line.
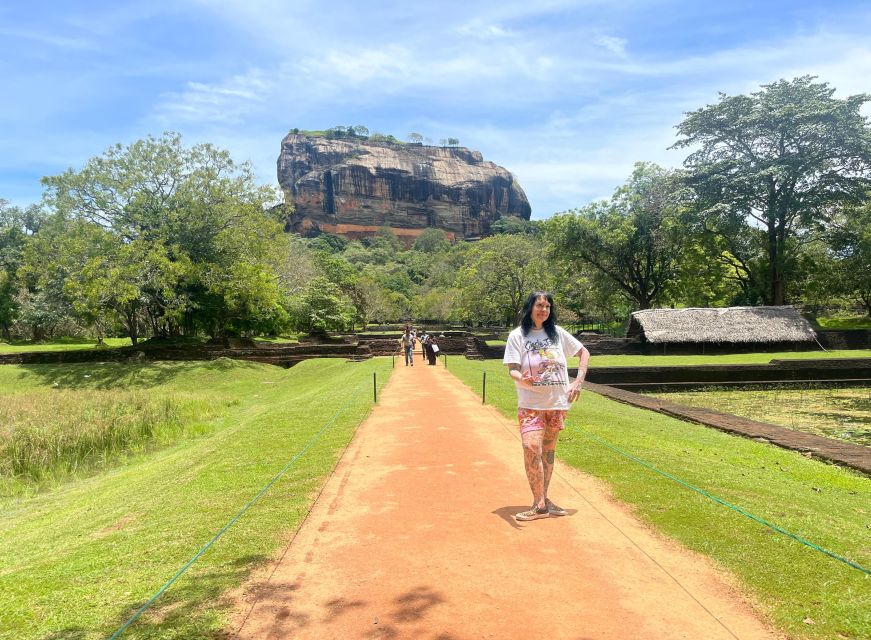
{"x":413,"y":537}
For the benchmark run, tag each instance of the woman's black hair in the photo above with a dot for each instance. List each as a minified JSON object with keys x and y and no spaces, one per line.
{"x":549,"y":325}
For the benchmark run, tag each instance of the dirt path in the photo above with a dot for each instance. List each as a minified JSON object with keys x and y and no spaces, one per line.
{"x":413,"y":537}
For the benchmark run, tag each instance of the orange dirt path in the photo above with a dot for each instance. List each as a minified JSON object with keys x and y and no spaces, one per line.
{"x":413,"y":537}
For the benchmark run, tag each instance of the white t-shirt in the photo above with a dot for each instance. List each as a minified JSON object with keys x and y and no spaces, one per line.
{"x":545,"y":362}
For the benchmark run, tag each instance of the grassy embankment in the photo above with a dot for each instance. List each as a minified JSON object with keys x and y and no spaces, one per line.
{"x":74,"y":344}
{"x":842,"y":413}
{"x":845,"y":322}
{"x":731,"y":358}
{"x":822,"y":503}
{"x":80,"y":557}
{"x":68,"y":344}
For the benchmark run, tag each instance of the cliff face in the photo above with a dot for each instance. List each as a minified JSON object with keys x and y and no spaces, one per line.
{"x":354,"y":186}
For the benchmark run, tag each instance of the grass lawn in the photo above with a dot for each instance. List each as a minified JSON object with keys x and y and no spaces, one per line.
{"x":850,"y":322}
{"x":842,"y":413}
{"x":278,"y":340}
{"x":731,"y":358}
{"x":78,"y":559}
{"x":821,"y":503}
{"x":67,"y":344}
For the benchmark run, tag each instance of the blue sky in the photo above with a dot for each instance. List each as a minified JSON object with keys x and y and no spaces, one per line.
{"x":566,"y":95}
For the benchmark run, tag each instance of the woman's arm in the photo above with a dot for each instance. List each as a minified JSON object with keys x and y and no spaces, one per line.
{"x":517,"y":376}
{"x":575,"y":387}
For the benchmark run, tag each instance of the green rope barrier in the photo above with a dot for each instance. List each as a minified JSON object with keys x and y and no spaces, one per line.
{"x":747,"y":514}
{"x":308,"y":445}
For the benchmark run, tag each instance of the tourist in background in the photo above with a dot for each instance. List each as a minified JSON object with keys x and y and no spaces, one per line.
{"x":433,"y":349}
{"x":536,"y":356}
{"x":406,"y":343}
{"x":424,"y":344}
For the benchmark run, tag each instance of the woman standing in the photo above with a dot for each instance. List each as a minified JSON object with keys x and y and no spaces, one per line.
{"x":536,"y":354}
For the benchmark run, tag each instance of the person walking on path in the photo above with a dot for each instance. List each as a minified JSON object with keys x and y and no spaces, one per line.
{"x":424,"y":345}
{"x":407,"y":344}
{"x":432,"y":349}
{"x":535,"y":355}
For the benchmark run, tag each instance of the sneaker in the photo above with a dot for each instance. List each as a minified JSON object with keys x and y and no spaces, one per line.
{"x":533,"y":514}
{"x":554,"y":510}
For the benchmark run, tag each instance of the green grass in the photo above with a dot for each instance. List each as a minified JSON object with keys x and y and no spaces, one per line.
{"x":822,"y":503}
{"x":731,"y":358}
{"x":49,"y":435}
{"x":849,"y":322}
{"x":79,"y":560}
{"x":291,"y":339}
{"x":65,"y":344}
{"x":841,"y":413}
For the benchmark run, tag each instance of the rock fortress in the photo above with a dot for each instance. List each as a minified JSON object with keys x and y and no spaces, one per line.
{"x":354,"y":186}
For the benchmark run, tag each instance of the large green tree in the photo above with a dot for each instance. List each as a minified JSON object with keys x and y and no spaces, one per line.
{"x":851,"y":243}
{"x":498,"y":274}
{"x":635,"y":239}
{"x":17,"y":226}
{"x":776,"y":162}
{"x":197,"y":208}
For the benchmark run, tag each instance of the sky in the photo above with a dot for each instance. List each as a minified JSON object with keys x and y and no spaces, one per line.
{"x":567,"y":95}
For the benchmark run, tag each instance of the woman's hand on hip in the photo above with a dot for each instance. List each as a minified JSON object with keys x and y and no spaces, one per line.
{"x":575,"y":389}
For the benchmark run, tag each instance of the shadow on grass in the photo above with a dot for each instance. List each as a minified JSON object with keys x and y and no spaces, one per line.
{"x":188,"y":608}
{"x":72,"y":633}
{"x":117,"y":375}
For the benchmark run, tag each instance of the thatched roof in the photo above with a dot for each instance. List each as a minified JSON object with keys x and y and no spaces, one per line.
{"x":732,"y":324}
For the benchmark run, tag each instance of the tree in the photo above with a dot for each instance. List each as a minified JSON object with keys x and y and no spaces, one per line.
{"x":121,"y":279}
{"x":778,"y":160}
{"x":851,"y":243}
{"x":415,"y":138}
{"x":498,"y":275}
{"x":44,"y":267}
{"x":437,"y":304}
{"x":635,"y":240}
{"x":196,"y":207}
{"x":431,"y":241}
{"x":323,"y":308}
{"x":17,"y":225}
{"x":453,"y":142}
{"x":513,"y":224}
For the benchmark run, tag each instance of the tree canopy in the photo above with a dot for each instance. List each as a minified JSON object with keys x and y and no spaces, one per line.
{"x":779,"y":160}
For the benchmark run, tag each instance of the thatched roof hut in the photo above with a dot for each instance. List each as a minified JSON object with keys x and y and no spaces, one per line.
{"x":745,"y":325}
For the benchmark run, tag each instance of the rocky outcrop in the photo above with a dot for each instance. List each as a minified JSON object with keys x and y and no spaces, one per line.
{"x":354,"y":186}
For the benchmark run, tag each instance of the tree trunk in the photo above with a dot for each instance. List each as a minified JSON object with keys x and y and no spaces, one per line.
{"x":132,"y":327}
{"x":866,"y":302}
{"x":775,"y":285}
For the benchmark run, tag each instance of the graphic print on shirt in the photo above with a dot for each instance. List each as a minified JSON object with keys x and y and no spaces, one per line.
{"x":542,"y":363}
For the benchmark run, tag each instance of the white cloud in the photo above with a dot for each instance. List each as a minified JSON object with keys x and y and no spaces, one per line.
{"x":483,"y":31}
{"x":226,"y":102}
{"x":613,"y":44}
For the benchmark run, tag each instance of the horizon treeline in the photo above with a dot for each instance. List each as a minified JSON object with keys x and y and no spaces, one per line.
{"x":771,"y":207}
